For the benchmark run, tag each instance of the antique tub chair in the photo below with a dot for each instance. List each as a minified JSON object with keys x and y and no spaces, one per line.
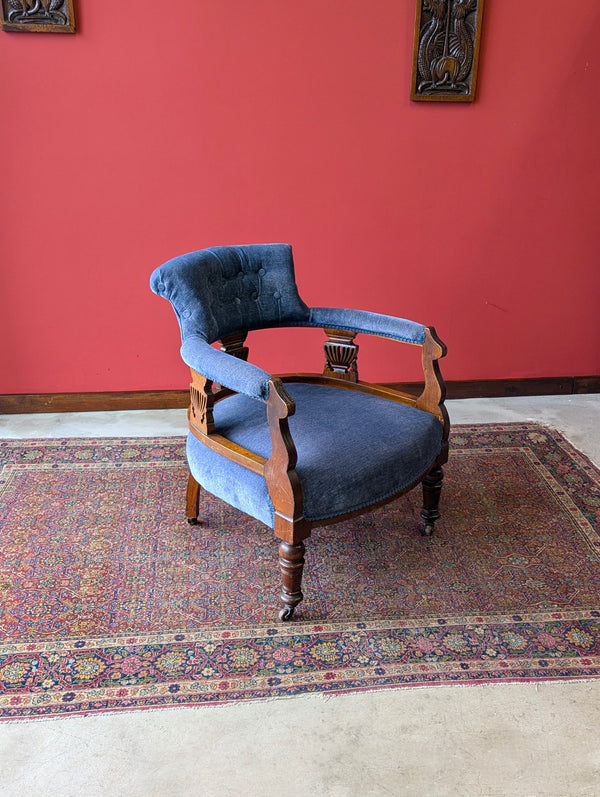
{"x":301,"y":450}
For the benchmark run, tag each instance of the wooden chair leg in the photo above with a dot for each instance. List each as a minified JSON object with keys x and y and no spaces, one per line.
{"x":192,"y":501}
{"x":432,"y":487}
{"x":291,"y":564}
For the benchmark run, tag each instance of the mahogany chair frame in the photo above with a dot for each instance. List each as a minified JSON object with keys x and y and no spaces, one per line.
{"x":283,"y":483}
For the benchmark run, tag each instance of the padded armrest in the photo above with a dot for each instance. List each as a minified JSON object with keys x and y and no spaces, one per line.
{"x":385,"y":326}
{"x":231,"y":372}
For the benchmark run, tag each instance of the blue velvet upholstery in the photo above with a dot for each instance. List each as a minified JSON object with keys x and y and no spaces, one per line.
{"x":385,"y":326}
{"x":217,"y":292}
{"x":353,"y":450}
{"x":222,"y":368}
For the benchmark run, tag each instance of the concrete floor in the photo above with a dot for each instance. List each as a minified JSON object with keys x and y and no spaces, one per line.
{"x":502,"y":739}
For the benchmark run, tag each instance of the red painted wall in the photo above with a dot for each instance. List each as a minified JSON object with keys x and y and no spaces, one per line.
{"x":159,"y":128}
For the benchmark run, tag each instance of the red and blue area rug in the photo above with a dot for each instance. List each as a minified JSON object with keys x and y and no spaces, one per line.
{"x":110,"y":601}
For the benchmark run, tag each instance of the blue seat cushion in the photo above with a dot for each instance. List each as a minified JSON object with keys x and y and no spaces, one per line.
{"x":354,"y":450}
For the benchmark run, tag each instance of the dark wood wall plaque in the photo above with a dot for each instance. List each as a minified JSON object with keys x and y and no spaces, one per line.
{"x":446,"y":50}
{"x":38,"y":16}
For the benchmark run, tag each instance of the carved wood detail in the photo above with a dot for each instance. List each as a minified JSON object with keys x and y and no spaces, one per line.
{"x":200,"y":414}
{"x":38,"y":16}
{"x":446,"y":50}
{"x":341,"y":355}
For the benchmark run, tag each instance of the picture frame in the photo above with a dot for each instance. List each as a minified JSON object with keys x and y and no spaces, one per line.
{"x":38,"y":16}
{"x":446,"y":50}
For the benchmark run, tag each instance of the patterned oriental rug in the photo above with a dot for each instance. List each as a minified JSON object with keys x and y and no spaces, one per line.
{"x":110,"y":601}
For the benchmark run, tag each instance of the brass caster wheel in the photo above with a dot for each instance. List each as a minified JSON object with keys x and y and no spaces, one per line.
{"x":286,"y":613}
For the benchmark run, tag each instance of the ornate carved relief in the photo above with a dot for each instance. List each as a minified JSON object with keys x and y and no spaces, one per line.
{"x":38,"y":16}
{"x":340,"y":355}
{"x":446,"y":50}
{"x":201,"y":403}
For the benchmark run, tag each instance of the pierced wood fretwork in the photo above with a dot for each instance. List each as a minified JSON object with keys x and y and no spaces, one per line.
{"x":446,"y":50}
{"x":340,"y":355}
{"x":202,"y":399}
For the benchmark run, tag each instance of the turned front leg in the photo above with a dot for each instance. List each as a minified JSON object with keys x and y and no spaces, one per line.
{"x":291,"y":564}
{"x":432,"y":487}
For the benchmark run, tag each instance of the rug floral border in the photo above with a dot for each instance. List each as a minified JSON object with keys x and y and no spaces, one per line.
{"x":226,"y":666}
{"x":220,"y":665}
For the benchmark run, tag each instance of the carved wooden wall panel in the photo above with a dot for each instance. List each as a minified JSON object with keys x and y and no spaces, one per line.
{"x":38,"y":16}
{"x":446,"y":50}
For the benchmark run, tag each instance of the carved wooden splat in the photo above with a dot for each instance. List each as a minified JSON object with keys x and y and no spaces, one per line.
{"x":340,"y":355}
{"x":200,"y":414}
{"x":446,"y":50}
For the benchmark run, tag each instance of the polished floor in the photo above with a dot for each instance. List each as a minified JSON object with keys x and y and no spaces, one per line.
{"x":490,"y":741}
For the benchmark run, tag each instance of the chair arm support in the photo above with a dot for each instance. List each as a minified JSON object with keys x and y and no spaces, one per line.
{"x":385,"y":326}
{"x":434,"y":392}
{"x":280,"y":474}
{"x":222,"y":368}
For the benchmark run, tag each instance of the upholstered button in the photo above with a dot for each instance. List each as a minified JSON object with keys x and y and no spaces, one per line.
{"x":241,"y":275}
{"x":254,"y":295}
{"x":277,"y":295}
{"x":262,"y":272}
{"x":186,"y":313}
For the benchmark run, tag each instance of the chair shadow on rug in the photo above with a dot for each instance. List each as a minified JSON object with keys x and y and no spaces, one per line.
{"x":297,"y":451}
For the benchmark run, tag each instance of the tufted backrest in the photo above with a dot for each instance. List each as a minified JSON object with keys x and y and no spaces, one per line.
{"x":226,"y":289}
